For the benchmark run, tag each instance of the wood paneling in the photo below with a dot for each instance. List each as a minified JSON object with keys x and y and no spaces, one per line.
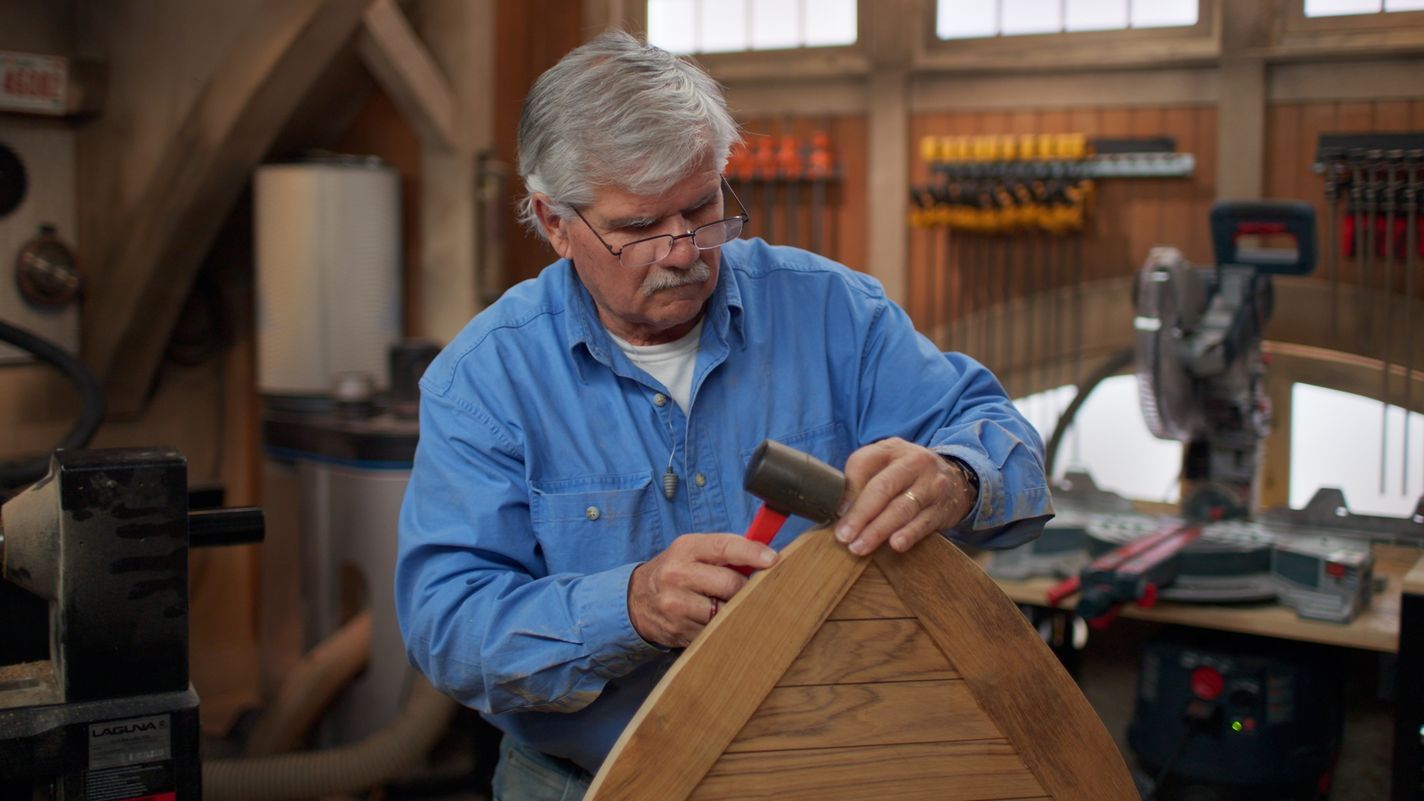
{"x":887,"y":713}
{"x":1355,"y":320}
{"x":872,"y":597}
{"x":1012,"y":726}
{"x":857,"y":651}
{"x":972,"y":771}
{"x":736,"y":660}
{"x":953,"y":276}
{"x":1074,"y":758}
{"x":844,"y":230}
{"x":530,"y":37}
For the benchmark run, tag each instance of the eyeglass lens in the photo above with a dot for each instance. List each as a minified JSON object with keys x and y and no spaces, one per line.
{"x":647,"y":251}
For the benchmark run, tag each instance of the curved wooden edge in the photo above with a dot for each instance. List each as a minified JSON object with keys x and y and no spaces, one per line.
{"x":726,"y":673}
{"x":1013,"y":675}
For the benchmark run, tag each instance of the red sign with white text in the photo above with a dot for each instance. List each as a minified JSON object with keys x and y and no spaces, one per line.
{"x":30,"y":82}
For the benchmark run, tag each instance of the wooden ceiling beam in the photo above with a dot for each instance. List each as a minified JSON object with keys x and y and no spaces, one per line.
{"x":150,"y":267}
{"x":405,"y":69}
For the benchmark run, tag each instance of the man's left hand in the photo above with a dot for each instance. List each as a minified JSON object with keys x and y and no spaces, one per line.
{"x":901,"y":492}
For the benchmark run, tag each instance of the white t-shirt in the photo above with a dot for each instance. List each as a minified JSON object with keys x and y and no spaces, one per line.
{"x":672,"y":363}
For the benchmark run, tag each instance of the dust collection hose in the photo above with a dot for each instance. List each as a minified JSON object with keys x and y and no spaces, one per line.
{"x":309,"y":687}
{"x":18,"y":473}
{"x":1108,"y":368}
{"x":266,"y":773}
{"x":388,"y":754}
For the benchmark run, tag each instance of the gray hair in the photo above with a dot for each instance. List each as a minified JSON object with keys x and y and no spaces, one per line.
{"x":616,"y":112}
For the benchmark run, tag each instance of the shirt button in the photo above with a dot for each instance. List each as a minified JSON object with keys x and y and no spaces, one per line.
{"x":700,"y":479}
{"x":660,"y":399}
{"x":591,"y":513}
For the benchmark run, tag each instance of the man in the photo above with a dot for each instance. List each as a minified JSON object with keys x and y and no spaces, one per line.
{"x":574,"y":510}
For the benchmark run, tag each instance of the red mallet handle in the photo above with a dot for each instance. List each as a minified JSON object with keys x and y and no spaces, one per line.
{"x":763,"y":528}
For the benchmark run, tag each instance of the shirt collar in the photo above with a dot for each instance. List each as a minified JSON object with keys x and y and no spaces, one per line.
{"x":582,"y":326}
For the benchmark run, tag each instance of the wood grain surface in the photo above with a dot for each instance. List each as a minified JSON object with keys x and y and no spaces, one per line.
{"x":929,"y":684}
{"x":970,"y":771}
{"x":716,"y":685}
{"x":872,"y":598}
{"x":1014,"y":676}
{"x":837,"y":715}
{"x":852,"y":651}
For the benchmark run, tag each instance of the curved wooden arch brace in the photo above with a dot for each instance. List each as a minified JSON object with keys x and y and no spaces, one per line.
{"x":721,"y":679}
{"x":1299,"y":325}
{"x":902,"y":675}
{"x":150,"y":267}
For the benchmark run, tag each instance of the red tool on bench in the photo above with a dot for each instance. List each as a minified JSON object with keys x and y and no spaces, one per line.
{"x":1133,"y":572}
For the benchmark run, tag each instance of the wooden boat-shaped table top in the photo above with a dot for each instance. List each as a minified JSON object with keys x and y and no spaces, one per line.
{"x":894,"y":676}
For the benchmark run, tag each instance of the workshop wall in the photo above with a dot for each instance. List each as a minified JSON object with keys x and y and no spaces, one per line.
{"x":843,"y":218}
{"x":1125,"y":218}
{"x":156,"y":58}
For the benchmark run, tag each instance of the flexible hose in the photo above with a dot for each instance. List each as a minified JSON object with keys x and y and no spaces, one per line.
{"x":388,"y":754}
{"x":310,"y":687}
{"x":1109,"y":367}
{"x":20,"y":472}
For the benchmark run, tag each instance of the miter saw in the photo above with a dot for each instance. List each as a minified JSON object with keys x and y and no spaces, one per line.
{"x":1200,"y":372}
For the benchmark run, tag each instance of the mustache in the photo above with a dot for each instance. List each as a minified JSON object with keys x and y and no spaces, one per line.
{"x":663,"y":278}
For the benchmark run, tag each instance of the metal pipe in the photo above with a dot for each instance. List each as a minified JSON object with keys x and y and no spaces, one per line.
{"x":1373,"y":159}
{"x":1357,"y":202}
{"x":1391,"y":191}
{"x":1413,"y":161}
{"x":1333,"y":175}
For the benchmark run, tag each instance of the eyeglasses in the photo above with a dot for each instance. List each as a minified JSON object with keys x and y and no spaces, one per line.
{"x":642,"y":252}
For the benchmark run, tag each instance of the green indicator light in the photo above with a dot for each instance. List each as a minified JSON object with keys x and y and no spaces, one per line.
{"x":1236,"y":725}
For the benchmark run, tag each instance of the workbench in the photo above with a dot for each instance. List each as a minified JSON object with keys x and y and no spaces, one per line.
{"x":1395,"y":617}
{"x":1377,"y":629}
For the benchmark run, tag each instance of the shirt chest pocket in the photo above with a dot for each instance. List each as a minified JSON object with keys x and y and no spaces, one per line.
{"x":595,"y":523}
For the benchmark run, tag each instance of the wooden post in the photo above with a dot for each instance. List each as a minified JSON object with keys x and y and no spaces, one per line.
{"x":1241,"y":109}
{"x":890,"y":33}
{"x":460,"y":35}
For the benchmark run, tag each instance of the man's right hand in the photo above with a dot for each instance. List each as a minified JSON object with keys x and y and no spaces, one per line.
{"x":672,"y":596}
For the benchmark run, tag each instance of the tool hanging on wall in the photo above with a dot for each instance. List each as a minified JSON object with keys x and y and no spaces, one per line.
{"x":1372,"y":186}
{"x":819,"y":172}
{"x":786,"y":169}
{"x":1013,"y":208}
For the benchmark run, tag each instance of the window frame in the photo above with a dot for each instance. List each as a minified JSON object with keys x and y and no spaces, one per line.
{"x":1296,"y":20}
{"x":1186,"y":44}
{"x":791,"y":62}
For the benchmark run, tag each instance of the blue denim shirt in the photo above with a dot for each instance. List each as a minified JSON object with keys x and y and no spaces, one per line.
{"x":537,"y":481}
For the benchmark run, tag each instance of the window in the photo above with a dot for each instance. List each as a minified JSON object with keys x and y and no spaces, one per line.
{"x":726,"y":26}
{"x":1339,"y":8}
{"x":1109,"y":439}
{"x":1336,"y":441}
{"x":975,"y":19}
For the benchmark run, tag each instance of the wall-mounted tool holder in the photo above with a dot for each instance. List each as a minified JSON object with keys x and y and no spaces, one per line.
{"x":1003,"y":218}
{"x":786,"y":183}
{"x":997,"y":183}
{"x":1374,"y":188}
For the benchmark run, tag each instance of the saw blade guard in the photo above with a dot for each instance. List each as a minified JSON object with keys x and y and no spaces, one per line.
{"x":1170,"y":299}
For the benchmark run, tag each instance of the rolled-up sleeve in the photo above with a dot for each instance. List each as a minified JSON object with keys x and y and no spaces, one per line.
{"x":952,"y":404}
{"x":481,"y":616}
